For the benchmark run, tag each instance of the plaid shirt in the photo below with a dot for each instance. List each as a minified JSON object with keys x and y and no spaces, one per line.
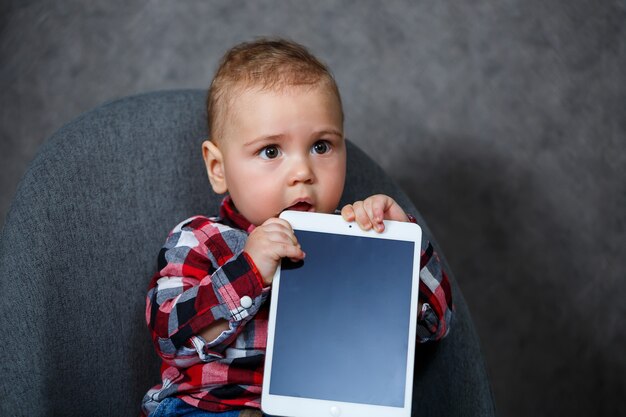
{"x":203,"y":275}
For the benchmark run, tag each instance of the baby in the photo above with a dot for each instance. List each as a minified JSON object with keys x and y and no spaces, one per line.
{"x":276,"y":143}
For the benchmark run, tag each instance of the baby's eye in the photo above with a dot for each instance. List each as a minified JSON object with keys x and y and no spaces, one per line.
{"x":321,"y":147}
{"x":269,"y":152}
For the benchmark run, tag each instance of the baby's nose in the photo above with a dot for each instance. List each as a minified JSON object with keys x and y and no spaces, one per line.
{"x":301,"y":171}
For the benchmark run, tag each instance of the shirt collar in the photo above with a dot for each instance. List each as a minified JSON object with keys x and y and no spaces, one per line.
{"x":231,"y":216}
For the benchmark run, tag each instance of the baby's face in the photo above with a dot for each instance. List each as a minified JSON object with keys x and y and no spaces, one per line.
{"x":284,"y":150}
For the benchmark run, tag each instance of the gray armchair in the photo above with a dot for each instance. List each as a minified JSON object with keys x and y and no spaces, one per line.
{"x":79,"y":246}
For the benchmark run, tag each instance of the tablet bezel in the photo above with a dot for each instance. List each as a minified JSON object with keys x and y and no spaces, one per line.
{"x":273,"y":404}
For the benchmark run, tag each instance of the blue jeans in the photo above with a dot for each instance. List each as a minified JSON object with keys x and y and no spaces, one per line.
{"x":174,"y":407}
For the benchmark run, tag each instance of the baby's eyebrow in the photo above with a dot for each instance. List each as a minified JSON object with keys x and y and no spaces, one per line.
{"x":281,"y":137}
{"x":264,"y":139}
{"x":330,"y":132}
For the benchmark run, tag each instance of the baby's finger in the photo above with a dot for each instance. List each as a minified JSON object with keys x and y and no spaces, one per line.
{"x":376,"y":211}
{"x":280,"y":226}
{"x":275,"y":221}
{"x":295,"y":253}
{"x":282,"y":237}
{"x":347,"y":212}
{"x":279,"y":234}
{"x":361,"y":216}
{"x":367,"y":206}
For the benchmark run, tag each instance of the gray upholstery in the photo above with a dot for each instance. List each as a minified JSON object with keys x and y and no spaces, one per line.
{"x":80,"y":244}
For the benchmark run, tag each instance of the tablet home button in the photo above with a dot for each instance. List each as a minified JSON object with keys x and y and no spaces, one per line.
{"x":335,"y":411}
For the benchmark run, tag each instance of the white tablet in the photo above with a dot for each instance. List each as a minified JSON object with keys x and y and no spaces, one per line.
{"x":341,"y":333}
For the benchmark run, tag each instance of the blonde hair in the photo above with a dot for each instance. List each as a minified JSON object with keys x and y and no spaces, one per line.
{"x":267,"y":64}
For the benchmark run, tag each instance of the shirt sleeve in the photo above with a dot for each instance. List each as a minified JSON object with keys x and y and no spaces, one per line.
{"x":435,"y":296}
{"x":433,"y":321}
{"x":203,"y":276}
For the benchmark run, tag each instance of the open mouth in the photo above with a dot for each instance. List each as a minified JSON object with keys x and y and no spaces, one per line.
{"x":300,"y":206}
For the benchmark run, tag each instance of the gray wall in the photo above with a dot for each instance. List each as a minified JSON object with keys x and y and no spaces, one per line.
{"x":503,"y":120}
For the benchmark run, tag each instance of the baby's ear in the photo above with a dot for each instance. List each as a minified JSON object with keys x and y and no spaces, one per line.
{"x":214,"y":161}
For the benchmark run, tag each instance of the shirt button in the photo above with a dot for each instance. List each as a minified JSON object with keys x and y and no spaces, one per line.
{"x":246,"y":302}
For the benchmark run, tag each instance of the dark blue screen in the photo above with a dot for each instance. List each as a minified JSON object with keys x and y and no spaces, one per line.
{"x":343,"y":319}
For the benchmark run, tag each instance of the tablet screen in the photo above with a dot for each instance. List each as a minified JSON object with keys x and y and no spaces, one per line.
{"x":342,"y":320}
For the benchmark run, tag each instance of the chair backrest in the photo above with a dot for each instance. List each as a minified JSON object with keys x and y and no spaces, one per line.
{"x":79,"y":246}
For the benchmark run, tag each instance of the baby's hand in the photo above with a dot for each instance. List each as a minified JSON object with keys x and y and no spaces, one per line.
{"x":269,"y":243}
{"x":371,"y":212}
